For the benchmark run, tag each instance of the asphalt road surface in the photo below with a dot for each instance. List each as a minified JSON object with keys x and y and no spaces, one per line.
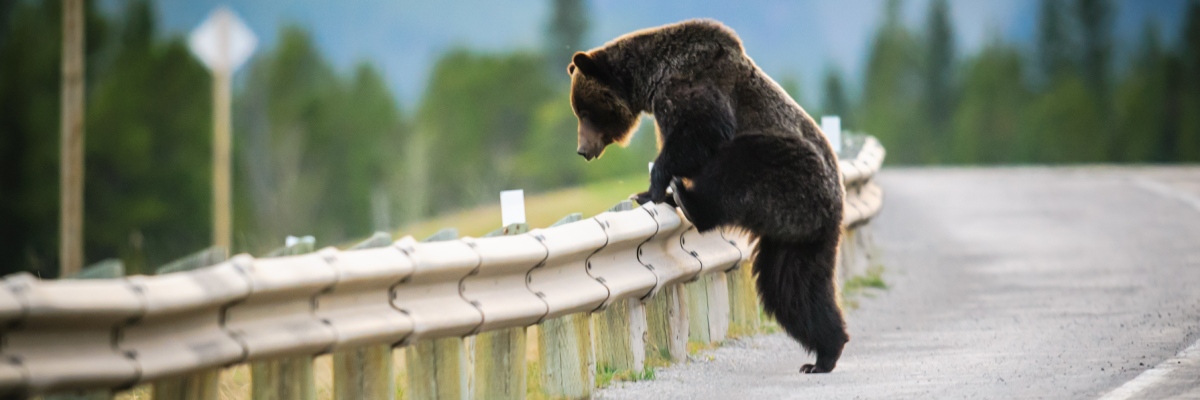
{"x":1006,"y":283}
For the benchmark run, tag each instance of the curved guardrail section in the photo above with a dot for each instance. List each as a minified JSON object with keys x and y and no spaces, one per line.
{"x":115,"y":333}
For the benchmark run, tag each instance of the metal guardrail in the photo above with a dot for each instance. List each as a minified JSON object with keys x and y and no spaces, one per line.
{"x":115,"y":333}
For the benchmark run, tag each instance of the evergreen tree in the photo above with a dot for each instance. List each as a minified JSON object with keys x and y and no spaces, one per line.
{"x":1146,"y":104}
{"x":30,"y":74}
{"x":836,"y":102}
{"x":988,"y":124}
{"x":891,"y":103}
{"x":565,"y":33}
{"x":1095,"y":18}
{"x":939,"y":75}
{"x":148,"y":183}
{"x":1188,"y":70}
{"x":1054,"y":49}
{"x":474,"y":116}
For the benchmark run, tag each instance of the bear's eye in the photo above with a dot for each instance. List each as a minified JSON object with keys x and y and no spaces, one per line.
{"x":584,"y":115}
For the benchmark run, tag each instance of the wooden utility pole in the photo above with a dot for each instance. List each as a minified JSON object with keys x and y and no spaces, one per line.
{"x":70,"y":253}
{"x":222,"y":208}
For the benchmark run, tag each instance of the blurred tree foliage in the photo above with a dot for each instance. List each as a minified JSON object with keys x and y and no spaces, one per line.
{"x":939,"y":66}
{"x":29,"y":129}
{"x":1072,"y":107}
{"x":474,"y":116}
{"x":837,"y":101}
{"x":891,"y":107}
{"x":332,"y":154}
{"x":148,"y":142}
{"x":984,"y":129}
{"x":316,"y":152}
{"x":565,"y":34}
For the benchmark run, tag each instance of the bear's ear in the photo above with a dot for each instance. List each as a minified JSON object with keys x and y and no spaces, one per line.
{"x":570,"y":68}
{"x":586,"y":65}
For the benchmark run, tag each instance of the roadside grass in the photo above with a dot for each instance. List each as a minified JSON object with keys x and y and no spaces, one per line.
{"x":606,"y":375}
{"x":865,"y":285}
{"x":541,"y":209}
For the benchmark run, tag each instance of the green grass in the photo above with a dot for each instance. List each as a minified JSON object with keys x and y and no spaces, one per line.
{"x":863,"y":285}
{"x":541,"y":210}
{"x":608,"y":375}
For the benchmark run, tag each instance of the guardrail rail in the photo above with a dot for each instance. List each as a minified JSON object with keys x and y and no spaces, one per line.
{"x":637,"y":280}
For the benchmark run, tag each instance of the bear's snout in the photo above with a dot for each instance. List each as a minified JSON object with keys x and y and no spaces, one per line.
{"x":585,"y":154}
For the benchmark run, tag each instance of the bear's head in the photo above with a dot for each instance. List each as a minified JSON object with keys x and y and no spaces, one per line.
{"x":605,"y":116}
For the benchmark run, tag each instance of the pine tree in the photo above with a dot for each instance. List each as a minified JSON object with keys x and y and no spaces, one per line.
{"x":989,"y":124}
{"x":30,"y":76}
{"x":1144,"y":103}
{"x":1096,"y":20}
{"x":891,"y":102}
{"x":1189,"y":72}
{"x":939,"y":74}
{"x":1054,"y":50}
{"x":836,"y":102}
{"x":565,"y":33}
{"x":1096,"y":24}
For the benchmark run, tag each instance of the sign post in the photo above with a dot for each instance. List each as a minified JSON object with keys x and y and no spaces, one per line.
{"x":70,"y":258}
{"x":222,"y":42}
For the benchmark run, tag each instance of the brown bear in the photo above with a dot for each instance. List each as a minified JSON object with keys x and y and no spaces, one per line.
{"x":736,"y":151}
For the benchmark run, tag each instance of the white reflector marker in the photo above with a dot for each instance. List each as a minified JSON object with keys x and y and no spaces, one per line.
{"x":512,"y":207}
{"x":832,"y":126}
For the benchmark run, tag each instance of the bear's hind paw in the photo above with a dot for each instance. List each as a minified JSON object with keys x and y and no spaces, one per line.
{"x":812,"y":369}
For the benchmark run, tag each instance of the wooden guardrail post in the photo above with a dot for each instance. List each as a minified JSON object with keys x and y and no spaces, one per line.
{"x":201,"y":385}
{"x":620,"y":331}
{"x":718,"y":306}
{"x":667,"y":325}
{"x":438,"y":368}
{"x":566,"y":358}
{"x":107,"y":269}
{"x":620,"y":338}
{"x":365,"y":372}
{"x":697,"y":304}
{"x":500,"y":354}
{"x":743,"y":301}
{"x":708,"y":309}
{"x":288,"y":377}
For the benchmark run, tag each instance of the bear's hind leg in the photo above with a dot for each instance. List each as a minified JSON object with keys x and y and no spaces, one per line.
{"x":697,"y":207}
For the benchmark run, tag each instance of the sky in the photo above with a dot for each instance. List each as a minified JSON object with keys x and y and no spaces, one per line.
{"x":803,"y":38}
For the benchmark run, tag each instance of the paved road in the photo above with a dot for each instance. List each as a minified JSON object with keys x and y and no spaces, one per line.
{"x":1005,"y":283}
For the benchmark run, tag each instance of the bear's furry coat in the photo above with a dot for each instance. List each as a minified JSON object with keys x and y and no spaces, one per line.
{"x":738,"y":151}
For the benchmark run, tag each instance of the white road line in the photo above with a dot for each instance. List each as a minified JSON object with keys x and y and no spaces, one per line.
{"x":1163,"y":190}
{"x":1151,"y":377}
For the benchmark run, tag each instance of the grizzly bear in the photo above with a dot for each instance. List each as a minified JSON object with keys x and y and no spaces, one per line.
{"x":736,"y":151}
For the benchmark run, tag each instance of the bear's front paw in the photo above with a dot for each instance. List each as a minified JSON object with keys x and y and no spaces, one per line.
{"x":640,"y":198}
